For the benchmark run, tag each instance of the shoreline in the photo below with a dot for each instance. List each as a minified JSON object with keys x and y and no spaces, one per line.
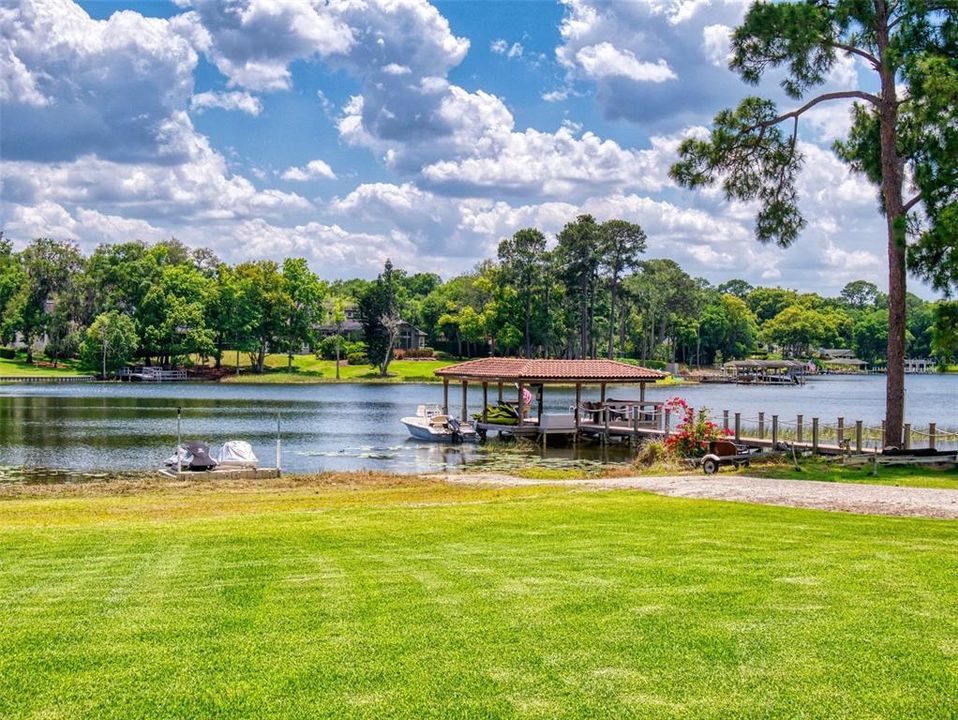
{"x":843,"y":497}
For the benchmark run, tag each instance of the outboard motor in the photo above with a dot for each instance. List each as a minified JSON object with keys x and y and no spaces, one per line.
{"x":201,"y":459}
{"x":456,"y":429}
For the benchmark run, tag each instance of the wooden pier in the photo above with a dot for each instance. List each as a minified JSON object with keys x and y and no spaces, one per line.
{"x":638,"y":420}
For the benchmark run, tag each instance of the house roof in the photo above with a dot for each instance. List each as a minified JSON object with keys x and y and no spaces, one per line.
{"x":763,"y":364}
{"x":545,"y":371}
{"x":845,"y":361}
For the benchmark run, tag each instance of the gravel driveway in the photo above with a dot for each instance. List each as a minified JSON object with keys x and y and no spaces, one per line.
{"x":844,"y":497}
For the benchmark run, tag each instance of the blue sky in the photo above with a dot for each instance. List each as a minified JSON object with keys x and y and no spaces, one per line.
{"x":359,"y":130}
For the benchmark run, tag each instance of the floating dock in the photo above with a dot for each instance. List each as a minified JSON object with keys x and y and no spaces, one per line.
{"x":229,"y":474}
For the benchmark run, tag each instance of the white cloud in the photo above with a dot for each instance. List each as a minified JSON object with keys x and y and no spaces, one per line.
{"x":556,"y":95}
{"x":314,"y":170}
{"x":556,"y":164}
{"x":717,"y":44}
{"x":253,"y":42}
{"x":72,"y":85}
{"x":605,"y":60}
{"x":241,"y":101}
{"x":501,"y":47}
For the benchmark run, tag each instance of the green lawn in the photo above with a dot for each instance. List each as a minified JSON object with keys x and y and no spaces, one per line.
{"x":832,"y":470}
{"x":304,"y":599}
{"x":307,"y":369}
{"x":19,"y":368}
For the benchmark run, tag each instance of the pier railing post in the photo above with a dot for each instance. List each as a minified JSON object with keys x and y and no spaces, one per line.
{"x":932,"y":435}
{"x":774,"y":432}
{"x":907,"y":436}
{"x":761,"y":426}
{"x":815,"y":435}
{"x":840,"y":431}
{"x":798,"y":428}
{"x":738,"y":426}
{"x":858,"y":436}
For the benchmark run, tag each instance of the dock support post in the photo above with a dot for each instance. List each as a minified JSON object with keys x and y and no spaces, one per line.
{"x":522,"y":404}
{"x":279,"y":445}
{"x":840,"y":430}
{"x":445,"y":396}
{"x":932,"y":435}
{"x":815,"y":435}
{"x":725,"y":420}
{"x":578,"y":414}
{"x":798,"y":428}
{"x":179,"y":442}
{"x":634,"y":442}
{"x":605,"y":414}
{"x":738,"y":426}
{"x":465,"y":400}
{"x":907,"y":436}
{"x":858,"y":436}
{"x":761,"y":426}
{"x":774,"y":432}
{"x":485,"y":402}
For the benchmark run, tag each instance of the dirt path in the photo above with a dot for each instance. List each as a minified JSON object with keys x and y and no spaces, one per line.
{"x":844,"y":497}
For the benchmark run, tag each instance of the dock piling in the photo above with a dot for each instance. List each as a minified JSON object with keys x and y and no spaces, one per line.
{"x":774,"y":432}
{"x":725,"y":420}
{"x":932,"y":435}
{"x":738,"y":426}
{"x":815,"y":435}
{"x":907,"y":436}
{"x":798,"y":428}
{"x":858,"y":436}
{"x":840,"y":430}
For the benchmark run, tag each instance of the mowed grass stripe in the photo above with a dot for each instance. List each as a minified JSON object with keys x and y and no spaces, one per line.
{"x":431,"y":601}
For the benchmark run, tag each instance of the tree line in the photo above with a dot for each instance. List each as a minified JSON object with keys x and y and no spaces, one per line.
{"x":591,"y":294}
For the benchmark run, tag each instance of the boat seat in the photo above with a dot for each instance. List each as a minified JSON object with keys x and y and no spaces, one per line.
{"x":438,"y":420}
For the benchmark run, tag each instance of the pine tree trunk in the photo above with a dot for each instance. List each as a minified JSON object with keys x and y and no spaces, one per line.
{"x":612,"y":293}
{"x":891,"y":188}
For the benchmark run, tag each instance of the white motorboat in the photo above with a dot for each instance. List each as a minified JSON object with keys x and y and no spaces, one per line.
{"x":432,"y":425}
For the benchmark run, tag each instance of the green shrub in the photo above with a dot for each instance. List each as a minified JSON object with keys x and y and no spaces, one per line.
{"x":8,"y":353}
{"x":357,"y":358}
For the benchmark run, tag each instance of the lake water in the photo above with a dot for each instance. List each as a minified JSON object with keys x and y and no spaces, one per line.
{"x":91,"y":427}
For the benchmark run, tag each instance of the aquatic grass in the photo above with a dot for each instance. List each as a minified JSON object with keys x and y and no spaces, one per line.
{"x":346,"y":596}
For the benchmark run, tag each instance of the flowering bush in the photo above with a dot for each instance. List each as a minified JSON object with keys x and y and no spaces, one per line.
{"x":694,"y":431}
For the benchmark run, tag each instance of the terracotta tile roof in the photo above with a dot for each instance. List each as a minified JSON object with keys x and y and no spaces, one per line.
{"x":514,"y":369}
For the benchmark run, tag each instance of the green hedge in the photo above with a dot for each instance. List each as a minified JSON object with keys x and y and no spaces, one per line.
{"x":8,"y":353}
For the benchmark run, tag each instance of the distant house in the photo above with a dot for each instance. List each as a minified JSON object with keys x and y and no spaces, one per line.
{"x":410,"y":337}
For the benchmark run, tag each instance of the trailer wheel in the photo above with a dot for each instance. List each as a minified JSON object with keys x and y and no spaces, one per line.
{"x":710,"y":466}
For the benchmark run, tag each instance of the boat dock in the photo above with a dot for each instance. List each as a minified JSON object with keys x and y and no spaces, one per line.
{"x":636,"y":420}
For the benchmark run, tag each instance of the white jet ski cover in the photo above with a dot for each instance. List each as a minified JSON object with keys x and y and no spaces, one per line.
{"x":237,"y":453}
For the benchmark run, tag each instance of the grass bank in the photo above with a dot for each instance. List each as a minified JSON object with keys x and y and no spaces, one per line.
{"x":18,"y":367}
{"x":832,"y":470}
{"x":308,"y":369}
{"x":366,"y":596}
